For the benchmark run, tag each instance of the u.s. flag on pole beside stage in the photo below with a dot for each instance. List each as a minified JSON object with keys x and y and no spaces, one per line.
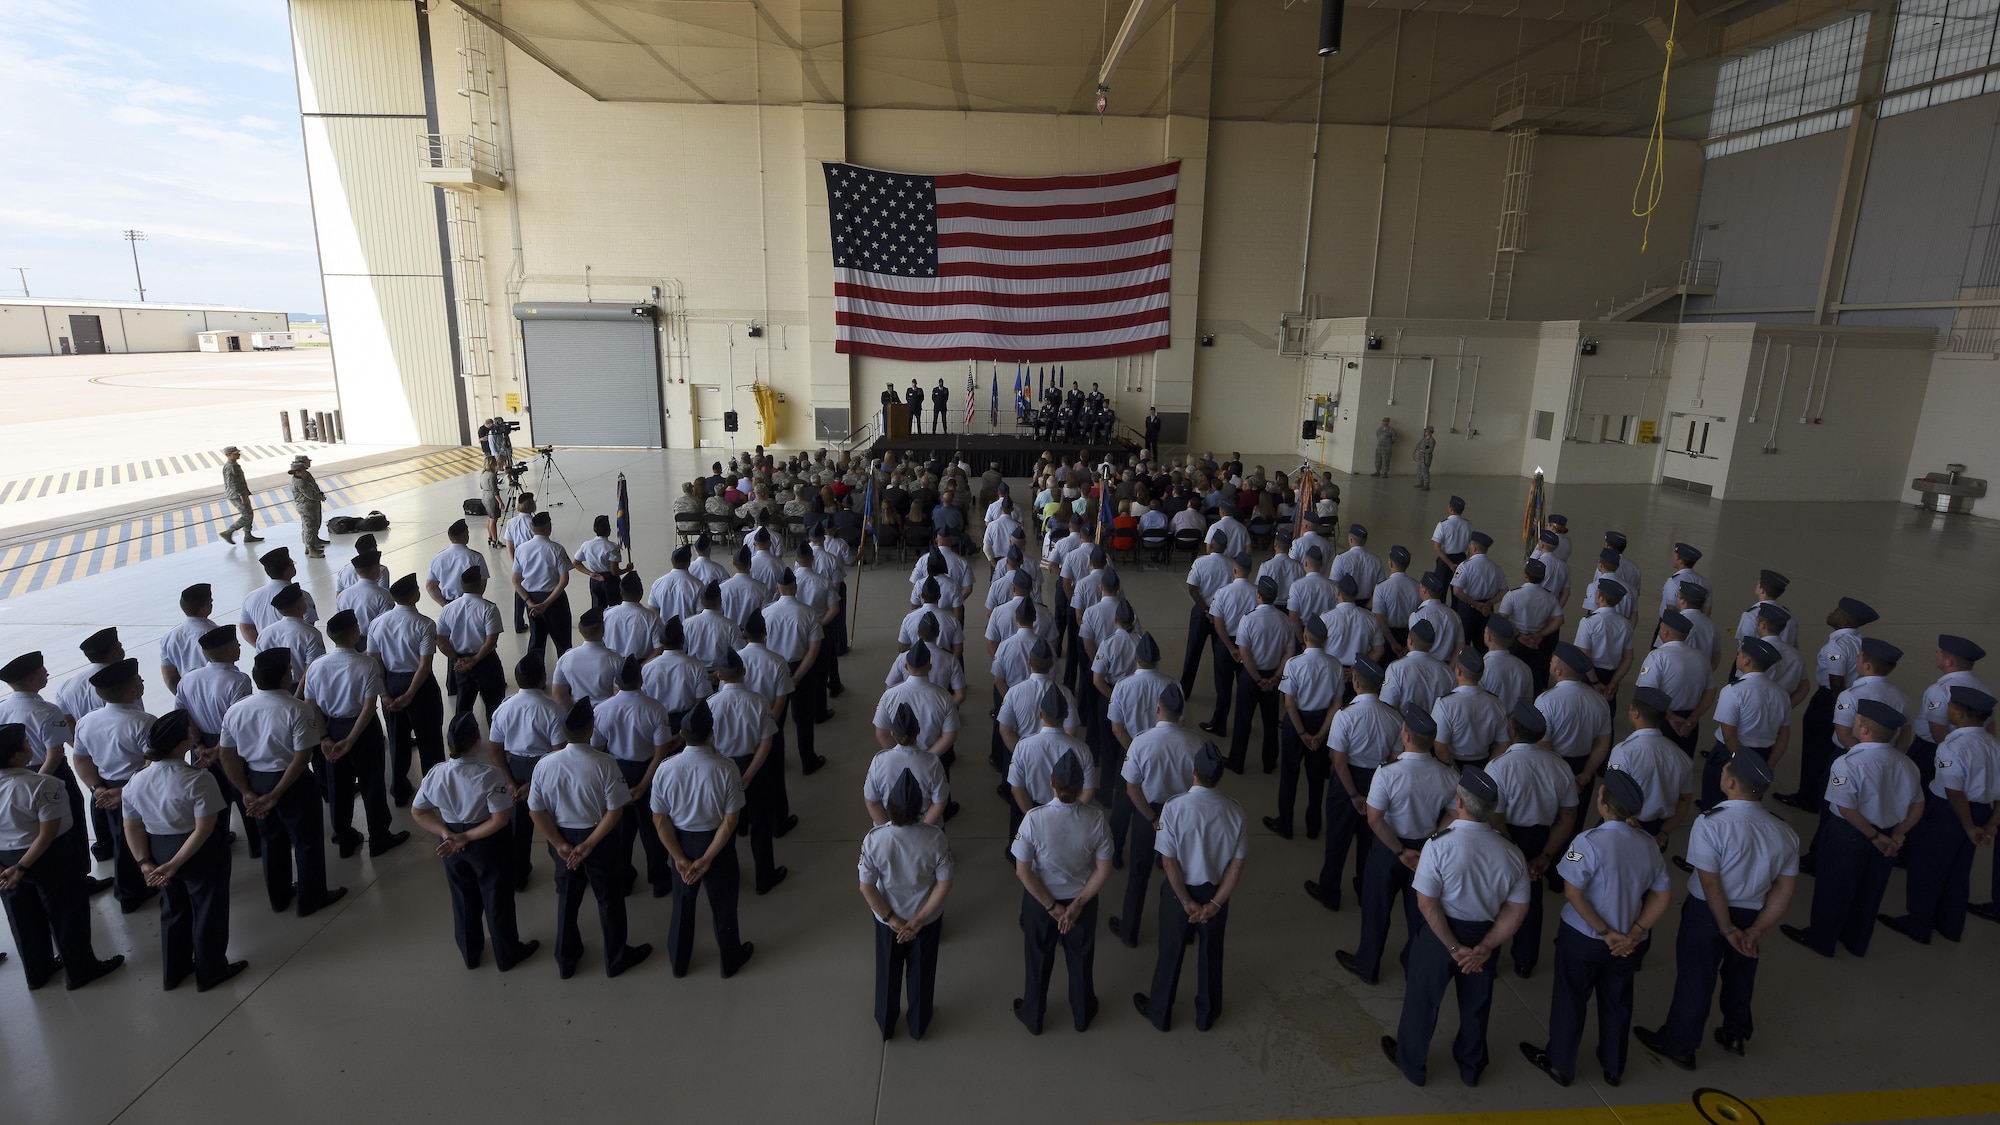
{"x":966,"y":266}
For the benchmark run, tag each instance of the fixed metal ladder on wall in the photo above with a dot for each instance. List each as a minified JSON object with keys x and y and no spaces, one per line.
{"x":1513,"y":233}
{"x":477,"y":152}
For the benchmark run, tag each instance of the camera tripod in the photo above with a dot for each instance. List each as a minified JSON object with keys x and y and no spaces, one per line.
{"x":545,"y":466}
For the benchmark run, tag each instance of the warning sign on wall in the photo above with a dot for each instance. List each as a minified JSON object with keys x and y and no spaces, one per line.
{"x":1646,"y":428}
{"x":514,"y":404}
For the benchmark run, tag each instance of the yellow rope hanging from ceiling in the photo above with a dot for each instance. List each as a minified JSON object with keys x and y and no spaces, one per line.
{"x":1652,"y":183}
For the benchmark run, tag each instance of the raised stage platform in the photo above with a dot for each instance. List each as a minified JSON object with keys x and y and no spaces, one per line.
{"x":1016,"y":452}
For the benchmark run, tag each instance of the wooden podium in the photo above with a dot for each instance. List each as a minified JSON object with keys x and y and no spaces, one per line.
{"x":896,"y":423}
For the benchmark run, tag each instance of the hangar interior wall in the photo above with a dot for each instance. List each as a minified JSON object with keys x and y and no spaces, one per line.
{"x":721,"y":205}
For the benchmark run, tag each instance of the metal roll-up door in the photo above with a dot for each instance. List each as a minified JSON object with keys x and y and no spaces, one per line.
{"x":593,"y":374}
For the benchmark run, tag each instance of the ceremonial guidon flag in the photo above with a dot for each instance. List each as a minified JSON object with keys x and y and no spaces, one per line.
{"x":1036,"y":269}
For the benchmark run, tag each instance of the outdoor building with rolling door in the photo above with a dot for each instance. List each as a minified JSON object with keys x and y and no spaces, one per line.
{"x":62,"y":326}
{"x":593,"y":373}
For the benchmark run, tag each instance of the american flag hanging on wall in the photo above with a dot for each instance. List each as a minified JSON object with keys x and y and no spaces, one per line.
{"x":968,"y":266}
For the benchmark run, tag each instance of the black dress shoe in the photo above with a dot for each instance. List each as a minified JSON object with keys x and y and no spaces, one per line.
{"x":662,"y":890}
{"x":1320,"y":895}
{"x":835,"y":691}
{"x":279,"y":906}
{"x":1803,"y":937}
{"x":1145,"y":1008}
{"x":742,"y":959}
{"x":826,"y":717}
{"x":402,"y":798}
{"x":1346,"y":961}
{"x":1389,"y":1050}
{"x":785,"y":825}
{"x":522,"y":952}
{"x":814,"y":766}
{"x":566,"y":971}
{"x":1539,"y":1059}
{"x":133,"y":906}
{"x":1211,"y":728}
{"x":174,"y":981}
{"x":777,"y":877}
{"x":950,"y":810}
{"x":1987,"y":910}
{"x":1312,"y":829}
{"x":100,"y":854}
{"x":98,"y":886}
{"x":1525,"y":972}
{"x":1808,"y":864}
{"x":1117,"y":928}
{"x":229,"y":971}
{"x":349,"y":845}
{"x":1613,"y":1079}
{"x":1733,"y":1046}
{"x":1794,"y":800}
{"x":634,"y":954}
{"x":1278,"y":827}
{"x":103,"y":969}
{"x":1468,"y":1076}
{"x":388,"y":843}
{"x":55,"y":970}
{"x":1899,"y":924}
{"x":1650,"y":1040}
{"x":1032,"y":1029}
{"x":332,"y":896}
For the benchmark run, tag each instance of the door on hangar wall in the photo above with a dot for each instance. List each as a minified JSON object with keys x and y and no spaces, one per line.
{"x":593,"y":374}
{"x":708,"y":410}
{"x":88,"y":332}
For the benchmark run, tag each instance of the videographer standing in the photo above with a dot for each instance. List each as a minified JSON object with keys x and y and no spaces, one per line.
{"x":500,"y":442}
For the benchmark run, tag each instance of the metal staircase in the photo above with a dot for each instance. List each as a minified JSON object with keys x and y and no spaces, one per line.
{"x":1698,"y":278}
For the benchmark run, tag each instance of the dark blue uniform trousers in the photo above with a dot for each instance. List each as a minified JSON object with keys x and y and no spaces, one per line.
{"x":914,"y":962}
{"x":294,"y":833}
{"x":481,"y":880}
{"x":1584,"y":965}
{"x":1174,"y":927}
{"x":1139,"y":861}
{"x":1701,"y":954}
{"x":1849,"y":882}
{"x":1292,"y":756}
{"x":194,"y":908}
{"x":1039,"y":938}
{"x":1384,"y":878}
{"x":722,"y":885}
{"x":603,"y":874}
{"x":1430,"y":969}
{"x":1939,"y":882}
{"x":1345,"y":830}
{"x":1526,"y":947}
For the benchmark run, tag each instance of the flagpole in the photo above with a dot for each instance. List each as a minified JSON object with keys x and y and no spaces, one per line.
{"x":868,"y":509}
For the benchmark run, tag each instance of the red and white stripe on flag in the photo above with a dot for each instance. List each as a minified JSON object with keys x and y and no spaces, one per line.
{"x":1033,"y":269}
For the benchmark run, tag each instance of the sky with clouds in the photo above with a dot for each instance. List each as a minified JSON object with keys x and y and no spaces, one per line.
{"x":175,"y":117}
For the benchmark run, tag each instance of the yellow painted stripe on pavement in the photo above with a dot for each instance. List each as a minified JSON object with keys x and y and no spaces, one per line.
{"x":1717,"y":1106}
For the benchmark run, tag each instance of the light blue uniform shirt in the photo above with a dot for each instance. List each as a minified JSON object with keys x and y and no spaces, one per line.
{"x":1747,"y":847}
{"x":1367,"y":732}
{"x":1472,"y":871}
{"x":1616,"y":866}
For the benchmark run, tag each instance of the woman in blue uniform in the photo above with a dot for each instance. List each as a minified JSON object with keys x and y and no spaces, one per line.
{"x":173,"y":822}
{"x":466,"y":803}
{"x":1617,"y":889}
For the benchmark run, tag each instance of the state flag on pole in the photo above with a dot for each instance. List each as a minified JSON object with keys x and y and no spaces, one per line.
{"x":624,"y":514}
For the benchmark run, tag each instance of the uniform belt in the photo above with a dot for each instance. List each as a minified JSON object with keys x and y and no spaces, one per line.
{"x":526,"y":759}
{"x":463,"y":826}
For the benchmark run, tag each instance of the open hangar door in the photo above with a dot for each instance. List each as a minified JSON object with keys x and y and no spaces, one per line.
{"x":593,"y":373}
